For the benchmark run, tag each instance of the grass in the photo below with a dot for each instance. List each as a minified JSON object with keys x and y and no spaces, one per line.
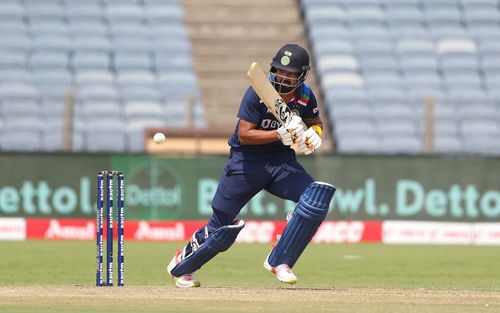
{"x":65,"y":270}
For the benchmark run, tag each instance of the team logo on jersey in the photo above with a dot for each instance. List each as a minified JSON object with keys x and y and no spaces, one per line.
{"x":285,"y":60}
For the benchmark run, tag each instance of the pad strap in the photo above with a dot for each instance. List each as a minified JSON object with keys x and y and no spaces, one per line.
{"x":202,"y":252}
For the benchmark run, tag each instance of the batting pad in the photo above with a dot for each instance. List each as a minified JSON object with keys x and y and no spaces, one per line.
{"x":219,"y":241}
{"x":309,"y":213}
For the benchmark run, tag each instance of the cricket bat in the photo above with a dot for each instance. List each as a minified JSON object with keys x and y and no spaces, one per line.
{"x":269,"y":96}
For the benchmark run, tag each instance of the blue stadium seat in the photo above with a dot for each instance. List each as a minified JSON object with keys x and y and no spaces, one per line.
{"x":463,"y":95}
{"x":331,"y":32}
{"x":124,"y":30}
{"x":23,"y":108}
{"x":393,"y":111}
{"x":414,"y":64}
{"x":484,"y":112}
{"x":97,"y":93}
{"x":144,"y":109}
{"x":375,"y":80}
{"x":106,"y":141}
{"x":10,"y":60}
{"x":374,"y":47}
{"x":349,"y":111}
{"x":366,"y":16}
{"x":85,"y":60}
{"x":49,"y":28}
{"x":91,"y":43}
{"x":12,"y":11}
{"x":338,"y":63}
{"x":16,"y":42}
{"x":39,"y":11}
{"x":132,"y":44}
{"x":398,"y":144}
{"x":323,"y":15}
{"x":80,"y":14}
{"x":445,"y":127}
{"x":354,"y":126}
{"x":481,"y":145}
{"x":389,"y":127}
{"x":460,"y":63}
{"x":378,"y":63}
{"x":46,"y":59}
{"x":345,"y":94}
{"x":447,"y":144}
{"x":164,"y":62}
{"x":141,"y":93}
{"x":132,"y":61}
{"x":20,"y":140}
{"x":131,"y":78}
{"x":18,"y":92}
{"x":332,"y":46}
{"x":129,"y":13}
{"x":84,"y":29}
{"x":163,"y":14}
{"x":178,"y":84}
{"x":386,"y":94}
{"x":94,"y":77}
{"x":415,"y":47}
{"x":366,"y":144}
{"x":98,"y":109}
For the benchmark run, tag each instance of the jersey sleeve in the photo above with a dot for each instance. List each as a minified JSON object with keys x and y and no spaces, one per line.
{"x":312,"y":109}
{"x":250,"y":107}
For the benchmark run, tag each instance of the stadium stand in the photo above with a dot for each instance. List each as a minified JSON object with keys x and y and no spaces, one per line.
{"x":127,"y":63}
{"x":378,"y":60}
{"x":130,"y":63}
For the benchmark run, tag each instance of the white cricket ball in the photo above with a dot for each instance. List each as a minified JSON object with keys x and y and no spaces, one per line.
{"x":159,"y":138}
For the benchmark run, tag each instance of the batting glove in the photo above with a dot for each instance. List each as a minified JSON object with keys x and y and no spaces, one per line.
{"x":311,"y":141}
{"x":292,"y":132}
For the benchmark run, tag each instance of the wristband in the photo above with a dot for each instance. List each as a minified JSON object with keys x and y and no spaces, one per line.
{"x":318,"y":130}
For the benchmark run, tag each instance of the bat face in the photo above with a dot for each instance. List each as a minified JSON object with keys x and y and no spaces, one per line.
{"x":283,"y":111}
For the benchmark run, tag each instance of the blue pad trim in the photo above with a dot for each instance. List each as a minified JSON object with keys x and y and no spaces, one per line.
{"x":219,"y":241}
{"x":309,"y":213}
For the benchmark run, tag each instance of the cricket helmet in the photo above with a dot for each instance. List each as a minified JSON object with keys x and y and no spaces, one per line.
{"x":291,"y":58}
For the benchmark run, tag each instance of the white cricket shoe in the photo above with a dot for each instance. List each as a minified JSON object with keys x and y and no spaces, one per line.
{"x":283,"y":272}
{"x":183,"y":281}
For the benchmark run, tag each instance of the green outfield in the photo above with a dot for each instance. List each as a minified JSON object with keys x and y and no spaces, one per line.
{"x":59,"y":276}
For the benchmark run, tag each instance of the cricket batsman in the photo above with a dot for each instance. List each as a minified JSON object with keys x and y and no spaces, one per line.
{"x":261,"y":159}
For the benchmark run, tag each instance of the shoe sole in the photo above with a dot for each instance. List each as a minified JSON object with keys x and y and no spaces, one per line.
{"x":194,"y":284}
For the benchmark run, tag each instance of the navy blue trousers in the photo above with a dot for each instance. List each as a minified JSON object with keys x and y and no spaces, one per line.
{"x":244,"y":176}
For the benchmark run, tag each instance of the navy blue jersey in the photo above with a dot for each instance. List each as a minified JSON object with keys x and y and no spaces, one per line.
{"x":254,"y":111}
